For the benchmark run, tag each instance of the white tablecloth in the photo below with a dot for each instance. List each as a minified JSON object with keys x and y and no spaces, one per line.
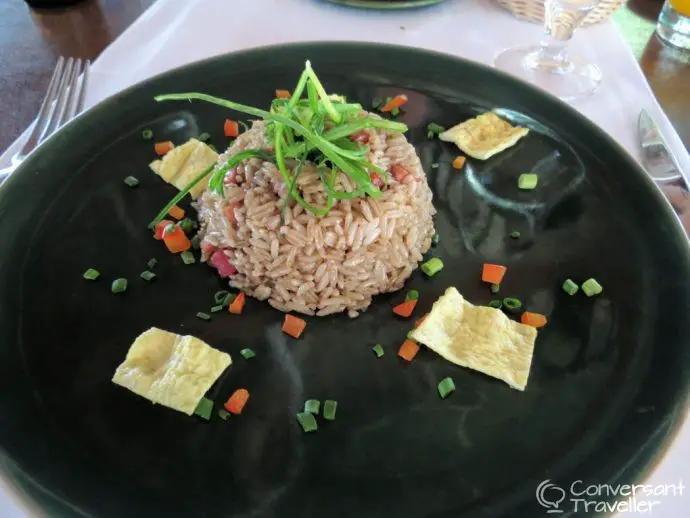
{"x":175,"y":32}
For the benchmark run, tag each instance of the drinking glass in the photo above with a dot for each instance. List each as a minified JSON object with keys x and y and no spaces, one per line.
{"x":549,"y":65}
{"x":674,"y":23}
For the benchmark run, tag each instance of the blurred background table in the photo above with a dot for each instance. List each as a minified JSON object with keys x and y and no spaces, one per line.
{"x":30,"y":42}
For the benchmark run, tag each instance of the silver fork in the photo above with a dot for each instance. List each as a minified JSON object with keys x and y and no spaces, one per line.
{"x":63,"y":101}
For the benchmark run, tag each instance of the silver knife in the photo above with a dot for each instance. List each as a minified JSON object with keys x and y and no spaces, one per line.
{"x":656,"y":154}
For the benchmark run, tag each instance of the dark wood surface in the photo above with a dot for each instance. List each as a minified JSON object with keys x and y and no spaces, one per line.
{"x":31,"y":40}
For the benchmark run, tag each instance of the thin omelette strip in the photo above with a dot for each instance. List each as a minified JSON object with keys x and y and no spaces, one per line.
{"x":171,"y":370}
{"x":479,"y":338}
{"x":484,"y":136}
{"x":183,"y":163}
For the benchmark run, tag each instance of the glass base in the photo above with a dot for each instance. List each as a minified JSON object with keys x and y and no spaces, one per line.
{"x":568,"y":78}
{"x":674,"y":28}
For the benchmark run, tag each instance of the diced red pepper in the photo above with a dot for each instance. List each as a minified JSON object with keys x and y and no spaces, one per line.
{"x":221,"y":263}
{"x":159,"y":230}
{"x":361,"y":136}
{"x":236,"y":402}
{"x":231,"y":128}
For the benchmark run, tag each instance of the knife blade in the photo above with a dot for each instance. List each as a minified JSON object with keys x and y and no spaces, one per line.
{"x":656,"y":154}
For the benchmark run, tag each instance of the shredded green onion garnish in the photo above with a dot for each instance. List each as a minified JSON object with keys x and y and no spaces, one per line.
{"x":216,"y":309}
{"x":570,"y":287}
{"x":376,"y":103}
{"x":592,"y":287}
{"x":147,"y":275}
{"x":223,"y":414}
{"x":187,"y":225}
{"x":395,"y":112}
{"x":228,"y":299}
{"x":203,"y":316}
{"x":378,"y":350}
{"x":432,"y":266}
{"x":204,"y":409}
{"x":515,"y":234}
{"x":446,"y":387}
{"x":147,"y":134}
{"x":495,"y":288}
{"x":307,"y":421}
{"x":313,"y":406}
{"x":91,"y":274}
{"x":131,"y":181}
{"x":512,"y":304}
{"x":412,"y":295}
{"x":329,"y":409}
{"x":247,"y":354}
{"x":495,"y":304}
{"x":151,"y":263}
{"x":119,"y":285}
{"x":312,"y":129}
{"x":528,"y":181}
{"x":187,"y":257}
{"x":219,"y":296}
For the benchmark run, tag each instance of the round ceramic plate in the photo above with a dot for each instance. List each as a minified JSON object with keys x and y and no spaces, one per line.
{"x":386,"y":4}
{"x":608,"y":382}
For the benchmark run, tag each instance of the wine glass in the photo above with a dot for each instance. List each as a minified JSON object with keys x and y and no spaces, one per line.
{"x":549,"y":65}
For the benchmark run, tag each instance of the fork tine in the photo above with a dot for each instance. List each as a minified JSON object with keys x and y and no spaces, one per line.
{"x":84,"y":84}
{"x":45,"y":109}
{"x":60,"y":101}
{"x":70,"y":104}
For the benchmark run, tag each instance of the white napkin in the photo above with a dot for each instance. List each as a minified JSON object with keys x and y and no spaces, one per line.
{"x":174,"y":32}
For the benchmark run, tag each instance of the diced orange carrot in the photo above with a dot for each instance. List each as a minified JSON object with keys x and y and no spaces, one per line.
{"x":405,"y":309}
{"x":493,"y":273}
{"x":231,"y":128}
{"x":293,"y":326}
{"x":176,"y":212}
{"x":395,"y":102}
{"x":283,"y":94}
{"x":235,"y":403}
{"x":237,"y":305}
{"x":408,"y":350}
{"x":533,"y":319}
{"x":175,"y":239}
{"x":162,"y":148}
{"x":420,"y":320}
{"x":459,"y":162}
{"x":159,"y":230}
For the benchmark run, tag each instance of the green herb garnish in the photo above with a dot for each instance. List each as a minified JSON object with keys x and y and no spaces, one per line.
{"x":434,"y":129}
{"x":223,"y":414}
{"x":378,"y":350}
{"x":313,"y":406}
{"x":570,"y":287}
{"x":527,"y":181}
{"x":131,"y":181}
{"x":217,"y":309}
{"x":91,"y":274}
{"x":203,"y":316}
{"x":187,"y":257}
{"x":247,"y":354}
{"x":307,"y":421}
{"x":495,"y":304}
{"x":512,"y":304}
{"x":329,"y":409}
{"x":147,"y":275}
{"x":592,"y":287}
{"x":495,"y":288}
{"x":515,"y":234}
{"x":119,"y":285}
{"x":412,"y":295}
{"x":147,"y":134}
{"x":151,"y":263}
{"x":204,"y":137}
{"x":187,"y":225}
{"x":432,"y":266}
{"x":446,"y":387}
{"x":204,"y":408}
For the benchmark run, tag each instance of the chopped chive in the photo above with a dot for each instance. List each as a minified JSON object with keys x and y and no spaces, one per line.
{"x":147,"y":134}
{"x":432,"y":266}
{"x":307,"y":421}
{"x":223,"y":414}
{"x":312,"y":406}
{"x":446,"y":387}
{"x":247,"y":354}
{"x":216,"y":309}
{"x":376,"y":103}
{"x":151,"y":263}
{"x":219,"y":296}
{"x":435,"y":239}
{"x":512,"y":304}
{"x":203,"y":316}
{"x":91,"y":274}
{"x":196,"y":242}
{"x":213,"y":148}
{"x":435,"y":129}
{"x":495,"y":304}
{"x":229,"y":298}
{"x":528,"y":181}
{"x":187,"y":225}
{"x":435,"y":165}
{"x":119,"y":285}
{"x":329,"y":409}
{"x":515,"y":234}
{"x":495,"y":288}
{"x":147,"y":275}
{"x":591,"y":287}
{"x":395,"y":112}
{"x":570,"y":287}
{"x":131,"y":181}
{"x":378,"y":350}
{"x":430,"y":134}
{"x":412,"y":295}
{"x":204,"y":408}
{"x":244,"y":125}
{"x":204,"y":137}
{"x":187,"y":257}
{"x":169,"y":229}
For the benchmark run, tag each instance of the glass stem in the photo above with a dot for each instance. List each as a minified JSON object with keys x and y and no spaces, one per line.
{"x":558,"y":31}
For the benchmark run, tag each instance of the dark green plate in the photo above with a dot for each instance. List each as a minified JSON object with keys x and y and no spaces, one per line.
{"x":609,"y":380}
{"x":386,"y":4}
